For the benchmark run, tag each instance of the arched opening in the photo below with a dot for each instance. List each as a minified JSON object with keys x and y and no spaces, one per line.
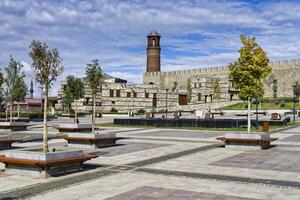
{"x":153,"y":42}
{"x":151,"y":83}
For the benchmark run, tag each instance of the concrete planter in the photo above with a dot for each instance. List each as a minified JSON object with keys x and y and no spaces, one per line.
{"x":87,"y":140}
{"x":74,"y":128}
{"x":35,"y":163}
{"x":14,"y":126}
{"x":247,"y":141}
{"x":6,"y":141}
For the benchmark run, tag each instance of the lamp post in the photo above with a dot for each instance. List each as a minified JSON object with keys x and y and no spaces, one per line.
{"x":167,"y":103}
{"x":294,"y":99}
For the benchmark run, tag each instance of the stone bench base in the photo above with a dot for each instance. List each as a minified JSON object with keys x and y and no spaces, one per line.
{"x":6,"y":142}
{"x":74,"y":128}
{"x":41,"y":165}
{"x":81,"y":140}
{"x":14,"y":126}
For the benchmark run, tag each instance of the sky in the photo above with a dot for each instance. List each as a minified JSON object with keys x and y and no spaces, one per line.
{"x":195,"y":33}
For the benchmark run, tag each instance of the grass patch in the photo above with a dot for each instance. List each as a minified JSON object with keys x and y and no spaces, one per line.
{"x":264,"y":106}
{"x":244,"y":129}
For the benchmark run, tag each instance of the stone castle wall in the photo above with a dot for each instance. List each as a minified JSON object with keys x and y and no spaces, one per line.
{"x":286,"y":72}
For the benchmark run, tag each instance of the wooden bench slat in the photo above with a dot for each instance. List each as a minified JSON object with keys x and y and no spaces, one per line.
{"x":46,"y":163}
{"x":91,"y":139}
{"x":247,"y":139}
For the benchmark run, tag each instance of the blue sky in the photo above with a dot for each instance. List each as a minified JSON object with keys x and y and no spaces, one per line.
{"x":195,"y":33}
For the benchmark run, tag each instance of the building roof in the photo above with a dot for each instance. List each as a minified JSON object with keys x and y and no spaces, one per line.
{"x":153,"y":33}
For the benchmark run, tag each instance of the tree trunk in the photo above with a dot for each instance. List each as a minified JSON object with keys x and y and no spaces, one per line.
{"x":6,"y":113}
{"x":11,"y":111}
{"x":249,"y":117}
{"x":93,"y":115}
{"x":45,"y":135}
{"x":75,"y":112}
{"x":18,"y":109}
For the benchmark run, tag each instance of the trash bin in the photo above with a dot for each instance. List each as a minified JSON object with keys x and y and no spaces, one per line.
{"x":266,"y":126}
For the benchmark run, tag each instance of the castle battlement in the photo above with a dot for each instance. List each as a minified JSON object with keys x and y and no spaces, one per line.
{"x":281,"y":64}
{"x":285,"y":63}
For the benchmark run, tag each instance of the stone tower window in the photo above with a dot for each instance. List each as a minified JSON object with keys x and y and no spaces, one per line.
{"x":111,"y":93}
{"x":128,"y":94}
{"x":153,"y":42}
{"x":199,"y":96}
{"x":146,"y":95}
{"x":118,"y":93}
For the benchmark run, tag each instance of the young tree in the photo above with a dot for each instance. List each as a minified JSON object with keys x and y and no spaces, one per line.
{"x":249,"y":70}
{"x":189,"y":89}
{"x":297,"y":90}
{"x":47,"y":66}
{"x":76,"y":88}
{"x":94,"y":78}
{"x":21,"y":91}
{"x":1,"y":78}
{"x":217,"y":89}
{"x":15,"y":86}
{"x":67,"y":99}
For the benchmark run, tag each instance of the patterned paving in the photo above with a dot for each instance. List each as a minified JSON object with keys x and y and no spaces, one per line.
{"x":155,"y":193}
{"x":180,"y":134}
{"x":272,"y":159}
{"x":125,"y":147}
{"x":293,"y":138}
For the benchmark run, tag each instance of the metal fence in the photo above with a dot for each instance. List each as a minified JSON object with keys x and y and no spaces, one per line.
{"x":183,"y":122}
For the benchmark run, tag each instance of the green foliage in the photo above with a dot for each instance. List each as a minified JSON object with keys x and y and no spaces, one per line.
{"x":67,"y":100}
{"x":47,"y":66}
{"x":217,"y":89}
{"x":75,"y":87}
{"x":94,"y":77}
{"x":274,"y":88}
{"x":16,"y":88}
{"x":113,"y":110}
{"x":250,"y":69}
{"x":141,"y":111}
{"x":175,"y":84}
{"x":1,"y":78}
{"x":297,"y":88}
{"x":46,"y":63}
{"x":189,"y":89}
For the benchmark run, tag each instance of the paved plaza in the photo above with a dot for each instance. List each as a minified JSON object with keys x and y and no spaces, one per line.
{"x":167,"y":164}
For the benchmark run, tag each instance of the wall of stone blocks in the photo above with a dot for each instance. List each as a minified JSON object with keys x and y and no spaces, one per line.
{"x":286,"y":72}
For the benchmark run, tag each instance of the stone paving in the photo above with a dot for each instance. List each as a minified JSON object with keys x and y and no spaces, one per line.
{"x":169,"y":164}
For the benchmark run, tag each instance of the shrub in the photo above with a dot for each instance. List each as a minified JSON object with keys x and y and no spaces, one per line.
{"x":141,"y":111}
{"x":113,"y":110}
{"x":282,"y":103}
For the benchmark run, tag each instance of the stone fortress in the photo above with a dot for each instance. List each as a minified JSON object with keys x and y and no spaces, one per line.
{"x":278,"y":84}
{"x":187,"y":90}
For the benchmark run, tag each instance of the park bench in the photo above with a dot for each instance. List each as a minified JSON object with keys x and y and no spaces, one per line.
{"x":14,"y":126}
{"x":275,"y":116}
{"x":44,"y":168}
{"x":263,"y":143}
{"x":70,"y":128}
{"x":261,"y":113}
{"x":149,"y":115}
{"x":221,"y":113}
{"x":208,"y":115}
{"x":177,"y":114}
{"x":46,"y":163}
{"x":241,"y":114}
{"x":5,"y":143}
{"x":94,"y":142}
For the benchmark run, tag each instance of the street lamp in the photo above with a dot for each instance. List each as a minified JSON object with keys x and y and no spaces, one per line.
{"x":294,"y":99}
{"x":167,"y":103}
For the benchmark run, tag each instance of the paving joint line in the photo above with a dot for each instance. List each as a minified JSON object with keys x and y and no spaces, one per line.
{"x":238,"y":179}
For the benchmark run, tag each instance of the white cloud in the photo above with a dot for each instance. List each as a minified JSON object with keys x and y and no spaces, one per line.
{"x":194,"y":33}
